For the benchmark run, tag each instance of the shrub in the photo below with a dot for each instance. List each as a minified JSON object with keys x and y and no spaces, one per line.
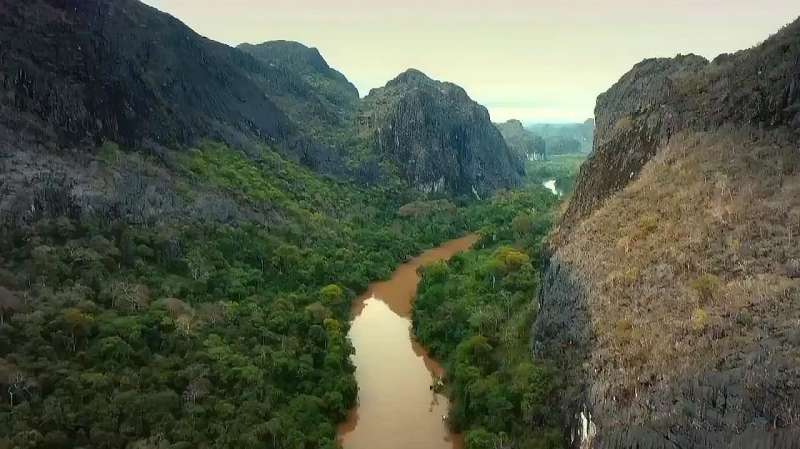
{"x":110,"y":151}
{"x":699,"y":319}
{"x":522,"y":224}
{"x":744,"y":319}
{"x":647,"y":225}
{"x":707,"y":286}
{"x":623,"y":329}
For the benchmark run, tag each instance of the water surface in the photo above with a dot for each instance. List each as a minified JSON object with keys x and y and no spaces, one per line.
{"x":396,"y":407}
{"x":551,"y":186}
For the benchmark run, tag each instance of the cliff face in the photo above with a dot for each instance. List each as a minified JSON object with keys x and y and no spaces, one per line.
{"x":673,"y":281}
{"x":525,"y":144}
{"x":120,"y":70}
{"x":304,"y":84}
{"x":438,"y":137}
{"x":758,"y":87}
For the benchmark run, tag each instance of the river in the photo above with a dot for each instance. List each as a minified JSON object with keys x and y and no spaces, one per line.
{"x":551,"y":186}
{"x":396,"y":407}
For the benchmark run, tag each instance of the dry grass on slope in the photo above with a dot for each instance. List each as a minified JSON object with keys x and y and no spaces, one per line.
{"x":694,"y":262}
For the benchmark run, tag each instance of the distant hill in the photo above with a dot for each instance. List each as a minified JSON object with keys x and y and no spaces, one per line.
{"x":527,"y":145}
{"x":565,"y":138}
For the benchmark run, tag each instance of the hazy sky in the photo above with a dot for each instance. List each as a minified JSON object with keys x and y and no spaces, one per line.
{"x":533,"y":60}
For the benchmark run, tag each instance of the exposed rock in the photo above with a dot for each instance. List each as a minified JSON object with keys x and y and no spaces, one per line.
{"x":438,"y":137}
{"x":691,"y":159}
{"x":660,"y":97}
{"x":74,"y":74}
{"x":84,"y":71}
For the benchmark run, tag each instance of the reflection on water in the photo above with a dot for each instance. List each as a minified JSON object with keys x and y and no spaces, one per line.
{"x":397,"y":408}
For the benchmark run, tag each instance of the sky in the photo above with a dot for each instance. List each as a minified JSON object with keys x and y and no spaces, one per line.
{"x":536,"y":61}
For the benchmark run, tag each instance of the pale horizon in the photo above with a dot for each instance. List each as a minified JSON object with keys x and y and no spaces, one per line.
{"x":538,"y":62}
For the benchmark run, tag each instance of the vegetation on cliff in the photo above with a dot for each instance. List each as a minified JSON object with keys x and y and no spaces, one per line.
{"x":693,"y":278}
{"x":672,"y":281}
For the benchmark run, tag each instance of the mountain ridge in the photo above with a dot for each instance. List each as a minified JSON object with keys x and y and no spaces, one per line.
{"x":335,"y":92}
{"x":141,"y":78}
{"x":759,"y":87}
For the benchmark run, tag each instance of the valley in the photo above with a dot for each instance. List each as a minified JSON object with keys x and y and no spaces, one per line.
{"x":214,"y":246}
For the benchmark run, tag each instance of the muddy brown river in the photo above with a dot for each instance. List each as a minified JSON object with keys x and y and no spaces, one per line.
{"x":396,"y":407}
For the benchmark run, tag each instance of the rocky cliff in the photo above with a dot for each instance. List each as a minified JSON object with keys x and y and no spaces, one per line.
{"x":79,"y":72}
{"x":672,"y":290}
{"x":439,"y":139}
{"x":306,"y":65}
{"x":758,"y":87}
{"x":299,"y":80}
{"x":526,"y":145}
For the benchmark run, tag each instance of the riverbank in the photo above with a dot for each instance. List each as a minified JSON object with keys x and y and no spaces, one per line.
{"x":474,"y":313}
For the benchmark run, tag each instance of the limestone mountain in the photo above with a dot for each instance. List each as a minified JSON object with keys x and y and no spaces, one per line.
{"x":438,"y":138}
{"x":527,"y":145}
{"x":310,"y":88}
{"x":79,"y":72}
{"x":674,"y":280}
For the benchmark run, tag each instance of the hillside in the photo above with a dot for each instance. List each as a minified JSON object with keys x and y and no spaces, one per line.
{"x":527,"y":145}
{"x":439,"y":139}
{"x":80,"y":72}
{"x":672,"y":289}
{"x":311,"y":89}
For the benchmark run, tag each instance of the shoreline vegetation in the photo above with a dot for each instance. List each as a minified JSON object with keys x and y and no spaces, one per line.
{"x":474,"y":314}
